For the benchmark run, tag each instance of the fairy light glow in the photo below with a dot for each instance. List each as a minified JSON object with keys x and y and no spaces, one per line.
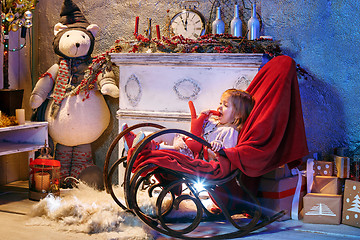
{"x":199,"y":186}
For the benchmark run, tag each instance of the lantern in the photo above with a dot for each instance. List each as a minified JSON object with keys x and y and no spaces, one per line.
{"x":44,"y":176}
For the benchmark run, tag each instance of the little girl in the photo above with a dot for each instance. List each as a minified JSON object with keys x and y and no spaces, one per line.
{"x":220,"y":131}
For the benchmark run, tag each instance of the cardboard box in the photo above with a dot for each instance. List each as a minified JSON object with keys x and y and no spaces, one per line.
{"x":342,"y":166}
{"x":323,"y":168}
{"x":277,"y":195}
{"x":351,"y":204}
{"x":280,"y":172}
{"x":355,"y":168}
{"x":322,"y":208}
{"x":342,"y":151}
{"x":326,"y":184}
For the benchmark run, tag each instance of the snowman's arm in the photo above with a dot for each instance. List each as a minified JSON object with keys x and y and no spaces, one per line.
{"x":44,"y":86}
{"x":107,"y":84}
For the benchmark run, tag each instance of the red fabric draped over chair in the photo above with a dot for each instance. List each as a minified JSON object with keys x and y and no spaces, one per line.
{"x":274,"y":133}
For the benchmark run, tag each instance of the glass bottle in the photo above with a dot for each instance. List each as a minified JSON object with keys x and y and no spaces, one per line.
{"x":148,"y":31}
{"x":218,"y":26}
{"x":236,"y":24}
{"x":253,"y":25}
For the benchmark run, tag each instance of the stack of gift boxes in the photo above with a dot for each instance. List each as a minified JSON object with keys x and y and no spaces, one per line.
{"x":333,"y":194}
{"x":322,"y":203}
{"x":326,"y":192}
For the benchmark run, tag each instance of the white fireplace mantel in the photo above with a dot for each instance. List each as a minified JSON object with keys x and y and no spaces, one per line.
{"x":159,"y":85}
{"x":189,"y":59}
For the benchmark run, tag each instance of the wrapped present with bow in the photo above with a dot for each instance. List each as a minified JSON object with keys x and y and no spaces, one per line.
{"x":282,"y":194}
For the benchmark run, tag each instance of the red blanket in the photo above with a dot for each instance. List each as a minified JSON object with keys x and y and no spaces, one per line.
{"x":273,"y":135}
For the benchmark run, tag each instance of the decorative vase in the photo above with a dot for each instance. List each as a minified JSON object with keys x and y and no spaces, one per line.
{"x":11,"y":99}
{"x":236,"y":24}
{"x":218,"y":26}
{"x":253,"y":25}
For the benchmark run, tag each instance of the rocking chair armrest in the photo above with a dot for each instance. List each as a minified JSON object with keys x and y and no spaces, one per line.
{"x":140,"y":146}
{"x":115,"y":142}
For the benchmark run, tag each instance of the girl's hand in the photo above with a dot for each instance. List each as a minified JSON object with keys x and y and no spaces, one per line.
{"x":179,"y":143}
{"x":210,"y":112}
{"x":216,"y":145}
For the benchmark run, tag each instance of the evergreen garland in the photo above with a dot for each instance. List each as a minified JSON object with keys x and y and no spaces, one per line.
{"x":210,"y":43}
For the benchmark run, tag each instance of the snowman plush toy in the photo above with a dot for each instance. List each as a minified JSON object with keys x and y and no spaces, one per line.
{"x":70,"y":98}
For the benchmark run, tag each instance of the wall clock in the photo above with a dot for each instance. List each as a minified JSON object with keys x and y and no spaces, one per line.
{"x":189,"y":23}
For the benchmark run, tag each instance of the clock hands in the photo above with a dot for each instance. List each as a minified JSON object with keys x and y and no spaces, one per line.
{"x":188,"y":23}
{"x":184,"y":23}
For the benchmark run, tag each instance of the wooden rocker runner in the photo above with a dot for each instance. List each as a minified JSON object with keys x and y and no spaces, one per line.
{"x":273,"y":135}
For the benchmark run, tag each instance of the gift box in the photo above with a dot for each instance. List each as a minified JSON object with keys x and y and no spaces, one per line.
{"x":276,"y":195}
{"x":351,"y":205}
{"x":323,"y":168}
{"x":326,"y":184}
{"x":355,"y":168}
{"x":277,"y":173}
{"x":342,"y":151}
{"x":322,"y":208}
{"x":342,"y":166}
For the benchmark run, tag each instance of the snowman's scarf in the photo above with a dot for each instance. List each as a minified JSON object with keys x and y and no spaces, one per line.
{"x":64,"y":87}
{"x":60,"y":87}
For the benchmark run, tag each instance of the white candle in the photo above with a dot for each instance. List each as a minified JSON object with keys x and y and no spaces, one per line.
{"x":42,"y":181}
{"x":20,"y":116}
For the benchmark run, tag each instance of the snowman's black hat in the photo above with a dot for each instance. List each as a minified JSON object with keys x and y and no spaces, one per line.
{"x":71,"y":15}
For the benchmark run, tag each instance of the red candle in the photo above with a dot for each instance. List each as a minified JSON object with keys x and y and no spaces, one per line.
{"x":136,"y":26}
{"x":158,"y":31}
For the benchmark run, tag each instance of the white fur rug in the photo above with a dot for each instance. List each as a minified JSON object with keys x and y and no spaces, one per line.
{"x":86,"y":210}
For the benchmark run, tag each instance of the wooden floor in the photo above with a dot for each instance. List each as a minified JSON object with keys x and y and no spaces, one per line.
{"x":15,"y":206}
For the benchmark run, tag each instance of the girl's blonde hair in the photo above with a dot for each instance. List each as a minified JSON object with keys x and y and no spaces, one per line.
{"x":243,"y":103}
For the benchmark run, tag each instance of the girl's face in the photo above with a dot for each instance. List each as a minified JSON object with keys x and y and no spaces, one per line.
{"x":226,"y":109}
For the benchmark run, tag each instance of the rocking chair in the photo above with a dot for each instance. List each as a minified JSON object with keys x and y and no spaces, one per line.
{"x":273,"y":135}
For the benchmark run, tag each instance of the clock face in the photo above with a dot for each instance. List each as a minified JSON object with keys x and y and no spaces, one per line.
{"x":188,"y":23}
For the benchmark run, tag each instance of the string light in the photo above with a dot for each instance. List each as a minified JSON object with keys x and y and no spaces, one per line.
{"x":16,"y":15}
